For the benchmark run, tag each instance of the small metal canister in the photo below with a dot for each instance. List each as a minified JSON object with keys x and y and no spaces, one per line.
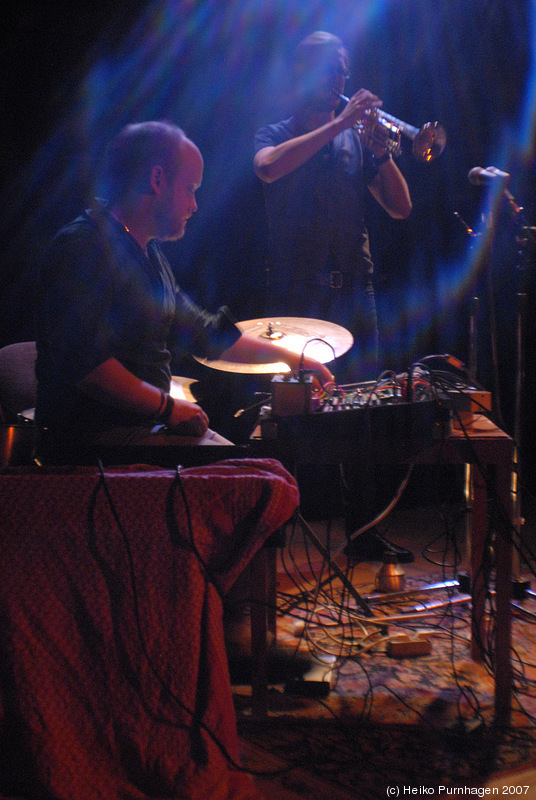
{"x":390,"y":576}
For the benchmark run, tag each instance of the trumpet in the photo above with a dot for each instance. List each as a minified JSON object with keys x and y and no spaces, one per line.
{"x":378,"y":127}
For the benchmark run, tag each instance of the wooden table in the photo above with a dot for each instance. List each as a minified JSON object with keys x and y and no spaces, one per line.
{"x":490,"y":453}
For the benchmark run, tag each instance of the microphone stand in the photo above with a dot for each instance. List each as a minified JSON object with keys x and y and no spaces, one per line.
{"x":517,"y":475}
{"x":526,"y":239}
{"x":486,"y":257}
{"x":474,"y":308}
{"x":472,"y":363}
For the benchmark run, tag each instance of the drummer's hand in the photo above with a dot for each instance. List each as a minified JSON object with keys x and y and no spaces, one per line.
{"x":188,"y":419}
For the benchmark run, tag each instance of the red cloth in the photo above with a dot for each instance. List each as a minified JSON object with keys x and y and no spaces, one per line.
{"x":114,"y":675}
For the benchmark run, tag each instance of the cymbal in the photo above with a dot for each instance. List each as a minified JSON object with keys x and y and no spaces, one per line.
{"x":180,"y":388}
{"x":322,"y":340}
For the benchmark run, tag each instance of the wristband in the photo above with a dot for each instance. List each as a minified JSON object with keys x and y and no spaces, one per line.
{"x":157,"y":413}
{"x":382,"y":159}
{"x":165,"y":415}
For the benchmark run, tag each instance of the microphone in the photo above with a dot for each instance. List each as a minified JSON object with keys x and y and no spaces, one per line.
{"x":479,"y":176}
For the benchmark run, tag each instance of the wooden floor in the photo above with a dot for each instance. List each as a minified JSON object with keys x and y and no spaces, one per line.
{"x":429,"y":519}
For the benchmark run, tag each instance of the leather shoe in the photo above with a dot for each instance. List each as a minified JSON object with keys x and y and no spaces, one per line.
{"x":370,"y":546}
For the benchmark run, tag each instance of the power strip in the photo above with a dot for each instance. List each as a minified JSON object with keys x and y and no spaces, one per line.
{"x":403,"y":647}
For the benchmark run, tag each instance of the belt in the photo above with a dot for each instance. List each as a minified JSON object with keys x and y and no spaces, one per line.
{"x":335,"y":279}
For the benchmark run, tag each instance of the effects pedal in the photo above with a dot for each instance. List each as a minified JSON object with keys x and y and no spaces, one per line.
{"x":291,"y":395}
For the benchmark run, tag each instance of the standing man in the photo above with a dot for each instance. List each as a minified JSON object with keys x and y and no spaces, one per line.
{"x":315,"y":172}
{"x":110,"y":312}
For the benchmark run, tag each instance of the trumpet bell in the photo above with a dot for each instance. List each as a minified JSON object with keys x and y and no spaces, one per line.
{"x":429,"y":142}
{"x":379,"y":128}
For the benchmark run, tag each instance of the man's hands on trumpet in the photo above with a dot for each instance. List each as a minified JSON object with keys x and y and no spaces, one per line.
{"x":355,"y":112}
{"x":357,"y":106}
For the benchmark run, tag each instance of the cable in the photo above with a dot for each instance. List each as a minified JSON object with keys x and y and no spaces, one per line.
{"x":301,"y":371}
{"x":137,"y":616}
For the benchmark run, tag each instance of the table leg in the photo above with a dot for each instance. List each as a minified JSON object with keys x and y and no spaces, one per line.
{"x":479,"y":530}
{"x":503,"y":586}
{"x":259,"y":631}
{"x":502,"y":664}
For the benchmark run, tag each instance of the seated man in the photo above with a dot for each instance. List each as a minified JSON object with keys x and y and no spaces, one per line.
{"x":110,"y":312}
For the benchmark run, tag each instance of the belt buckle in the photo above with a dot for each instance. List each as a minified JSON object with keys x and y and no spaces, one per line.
{"x":335,"y":279}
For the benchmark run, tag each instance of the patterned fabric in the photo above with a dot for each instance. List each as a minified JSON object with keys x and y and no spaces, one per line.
{"x":114,"y":673}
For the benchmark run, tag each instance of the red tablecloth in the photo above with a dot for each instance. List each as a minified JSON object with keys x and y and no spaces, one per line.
{"x":114,"y":678}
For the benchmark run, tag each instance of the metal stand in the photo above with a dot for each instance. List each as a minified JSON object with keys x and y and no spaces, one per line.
{"x":526,"y":241}
{"x":340,"y":574}
{"x":517,"y":475}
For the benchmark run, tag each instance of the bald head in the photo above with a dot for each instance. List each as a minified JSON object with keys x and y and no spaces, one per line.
{"x":317,"y":50}
{"x":320,"y":69}
{"x":134,"y":152}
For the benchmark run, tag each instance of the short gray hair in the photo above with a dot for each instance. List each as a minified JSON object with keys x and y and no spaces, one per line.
{"x":132,"y":154}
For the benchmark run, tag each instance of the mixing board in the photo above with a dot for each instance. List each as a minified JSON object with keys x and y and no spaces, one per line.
{"x":397,"y":415}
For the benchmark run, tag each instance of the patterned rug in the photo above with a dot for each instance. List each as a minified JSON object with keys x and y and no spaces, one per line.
{"x":392,"y":723}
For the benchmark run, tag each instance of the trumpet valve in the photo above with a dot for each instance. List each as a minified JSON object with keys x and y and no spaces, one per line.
{"x":379,"y":128}
{"x":375,"y":130}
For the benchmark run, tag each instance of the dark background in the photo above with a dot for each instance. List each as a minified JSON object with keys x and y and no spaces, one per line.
{"x":74,"y":73}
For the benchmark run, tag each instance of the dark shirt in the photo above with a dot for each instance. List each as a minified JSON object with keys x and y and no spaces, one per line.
{"x":315,"y":213}
{"x":100,"y":296}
